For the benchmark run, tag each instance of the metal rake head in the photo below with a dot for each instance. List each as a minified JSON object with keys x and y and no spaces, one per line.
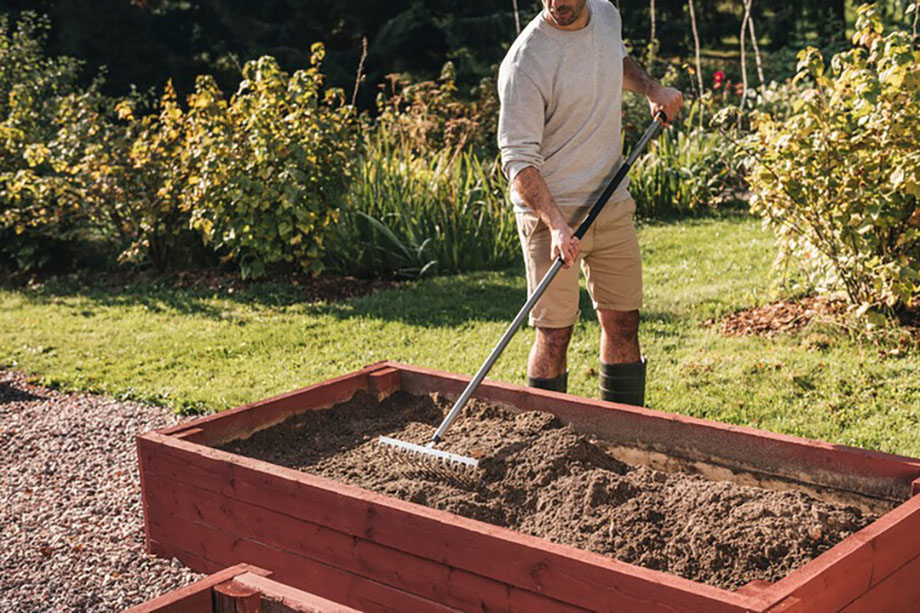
{"x":426,"y":458}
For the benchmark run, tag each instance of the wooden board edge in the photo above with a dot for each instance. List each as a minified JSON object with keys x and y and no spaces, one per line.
{"x":297,"y":600}
{"x":173,"y":599}
{"x":242,"y":421}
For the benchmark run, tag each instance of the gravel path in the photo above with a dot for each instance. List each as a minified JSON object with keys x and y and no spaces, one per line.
{"x":71,"y":521}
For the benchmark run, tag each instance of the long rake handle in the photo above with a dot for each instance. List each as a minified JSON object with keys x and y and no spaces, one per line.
{"x":650,"y":133}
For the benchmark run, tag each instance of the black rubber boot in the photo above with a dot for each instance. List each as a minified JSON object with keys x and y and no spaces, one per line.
{"x":624,"y":383}
{"x":556,"y":384}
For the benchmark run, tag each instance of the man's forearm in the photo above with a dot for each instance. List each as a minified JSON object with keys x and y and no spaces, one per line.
{"x":635,"y":79}
{"x":660,"y":98}
{"x":532,"y":189}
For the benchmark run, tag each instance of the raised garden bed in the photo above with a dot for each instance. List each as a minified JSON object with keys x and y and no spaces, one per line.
{"x":211,"y":507}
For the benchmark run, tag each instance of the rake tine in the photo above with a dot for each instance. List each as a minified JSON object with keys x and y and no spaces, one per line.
{"x":427,"y":459}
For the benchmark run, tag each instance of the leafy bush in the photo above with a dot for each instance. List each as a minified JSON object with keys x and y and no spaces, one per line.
{"x":269,"y":167}
{"x":408,"y":214}
{"x":34,"y":90}
{"x":428,"y":117}
{"x":130,"y":175}
{"x":839,"y":178}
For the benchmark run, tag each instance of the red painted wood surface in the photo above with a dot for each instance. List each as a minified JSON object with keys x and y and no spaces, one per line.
{"x":196,"y":596}
{"x":345,"y":533}
{"x":426,"y":578}
{"x":849,"y":468}
{"x":383,"y":382}
{"x":292,"y":599}
{"x":564,"y":573}
{"x":231,"y":597}
{"x":899,"y":592}
{"x":757,"y":586}
{"x":210,"y":543}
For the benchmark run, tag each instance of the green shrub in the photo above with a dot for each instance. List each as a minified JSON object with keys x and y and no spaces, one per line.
{"x":35,"y":214}
{"x":270,"y":166}
{"x":408,"y":213}
{"x":130,"y":175}
{"x":839,"y":178}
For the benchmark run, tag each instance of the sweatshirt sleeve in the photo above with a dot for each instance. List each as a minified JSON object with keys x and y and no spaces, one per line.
{"x":520,"y":121}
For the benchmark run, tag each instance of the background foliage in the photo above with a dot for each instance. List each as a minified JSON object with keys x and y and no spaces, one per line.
{"x":840,"y":177}
{"x":306,"y":165}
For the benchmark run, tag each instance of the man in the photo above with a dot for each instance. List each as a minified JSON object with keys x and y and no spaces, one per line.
{"x":561,"y":87}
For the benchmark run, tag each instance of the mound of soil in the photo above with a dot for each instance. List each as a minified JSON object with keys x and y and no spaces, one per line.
{"x":540,"y":477}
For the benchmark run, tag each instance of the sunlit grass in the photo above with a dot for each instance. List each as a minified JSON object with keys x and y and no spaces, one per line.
{"x":196,"y":349}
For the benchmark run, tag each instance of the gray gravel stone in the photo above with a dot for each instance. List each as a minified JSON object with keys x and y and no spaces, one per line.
{"x":71,"y":520}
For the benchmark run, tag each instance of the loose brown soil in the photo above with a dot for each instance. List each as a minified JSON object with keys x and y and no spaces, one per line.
{"x":540,"y":477}
{"x":787,"y":316}
{"x":780,"y":317}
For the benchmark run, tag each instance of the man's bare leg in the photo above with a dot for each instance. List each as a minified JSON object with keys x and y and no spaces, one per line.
{"x":546,"y":366}
{"x":622,"y":377}
{"x":619,"y":336}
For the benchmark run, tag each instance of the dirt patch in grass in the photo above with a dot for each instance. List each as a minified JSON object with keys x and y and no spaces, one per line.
{"x":780,"y":317}
{"x":542,"y":478}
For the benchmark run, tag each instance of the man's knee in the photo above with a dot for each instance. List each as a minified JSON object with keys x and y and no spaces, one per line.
{"x":619,"y":324}
{"x":554,"y":340}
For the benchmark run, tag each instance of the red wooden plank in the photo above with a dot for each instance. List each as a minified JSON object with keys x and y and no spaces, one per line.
{"x":241,"y":422}
{"x":193,"y":597}
{"x":225,"y":548}
{"x":899,"y":591}
{"x":410,"y":573}
{"x":915,"y":487}
{"x":565,"y":573}
{"x":428,"y":579}
{"x":792,"y":605}
{"x":756,"y":586}
{"x":231,"y":597}
{"x":829,"y":465}
{"x":857,"y":564}
{"x":384,"y":382}
{"x":296,"y":600}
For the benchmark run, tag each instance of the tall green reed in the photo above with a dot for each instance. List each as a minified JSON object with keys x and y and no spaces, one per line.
{"x":687,"y":171}
{"x":411,"y":212}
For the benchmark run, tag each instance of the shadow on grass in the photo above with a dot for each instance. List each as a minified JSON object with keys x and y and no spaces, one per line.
{"x":448,"y":301}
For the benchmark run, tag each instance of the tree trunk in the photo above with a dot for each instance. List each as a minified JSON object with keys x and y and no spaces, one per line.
{"x":744,"y":81}
{"x":696,"y":46}
{"x":756,"y":52}
{"x":517,"y":17}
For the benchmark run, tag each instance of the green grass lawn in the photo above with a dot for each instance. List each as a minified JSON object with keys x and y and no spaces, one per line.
{"x":191,"y":349}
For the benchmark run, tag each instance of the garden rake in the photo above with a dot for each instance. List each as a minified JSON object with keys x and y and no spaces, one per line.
{"x":444,"y":463}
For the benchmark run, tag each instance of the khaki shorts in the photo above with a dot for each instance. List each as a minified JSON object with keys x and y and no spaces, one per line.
{"x":609,"y":257}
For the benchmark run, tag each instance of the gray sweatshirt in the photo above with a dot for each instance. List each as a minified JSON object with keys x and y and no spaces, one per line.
{"x":561,"y":93}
